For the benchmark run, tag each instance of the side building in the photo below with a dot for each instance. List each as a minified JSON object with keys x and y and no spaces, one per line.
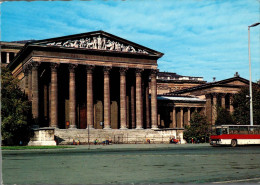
{"x":213,"y":94}
{"x":168,"y":82}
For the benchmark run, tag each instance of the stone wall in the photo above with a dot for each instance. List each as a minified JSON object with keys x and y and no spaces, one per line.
{"x":66,"y":136}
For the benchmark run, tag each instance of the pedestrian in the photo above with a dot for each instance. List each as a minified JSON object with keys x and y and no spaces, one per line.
{"x":192,"y":140}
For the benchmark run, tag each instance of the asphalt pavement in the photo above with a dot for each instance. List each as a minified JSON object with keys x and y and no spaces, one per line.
{"x":133,"y":164}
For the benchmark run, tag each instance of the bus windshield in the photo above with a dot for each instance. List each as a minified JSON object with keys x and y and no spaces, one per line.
{"x":219,"y":130}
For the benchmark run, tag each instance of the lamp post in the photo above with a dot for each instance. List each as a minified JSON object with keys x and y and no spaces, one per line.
{"x":250,"y":76}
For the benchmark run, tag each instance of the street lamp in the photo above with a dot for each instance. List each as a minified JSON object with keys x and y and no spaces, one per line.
{"x":250,"y":82}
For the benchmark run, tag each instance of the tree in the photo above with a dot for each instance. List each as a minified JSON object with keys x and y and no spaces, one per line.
{"x":198,"y":128}
{"x":224,"y":117}
{"x":241,"y":105}
{"x":15,"y":112}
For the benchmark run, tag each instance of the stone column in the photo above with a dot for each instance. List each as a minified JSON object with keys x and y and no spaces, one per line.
{"x":72,"y":96}
{"x":231,"y":108}
{"x":188,"y":115}
{"x":54,"y":96}
{"x":208,"y":108}
{"x":139,"y":101}
{"x":25,"y":72}
{"x":159,"y":119}
{"x":214,"y":108}
{"x":147,"y":100}
{"x":107,"y":108}
{"x":7,"y":58}
{"x":174,"y":118}
{"x":223,"y":101}
{"x":154,"y":99}
{"x":35,"y":91}
{"x":123,"y":98}
{"x":90,"y":112}
{"x":29,"y":82}
{"x":181,"y":117}
{"x":133,"y":106}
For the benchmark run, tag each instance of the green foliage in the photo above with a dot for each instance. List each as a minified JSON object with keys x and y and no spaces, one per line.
{"x":241,"y":105}
{"x":16,"y":111}
{"x":224,"y":117}
{"x":198,"y":128}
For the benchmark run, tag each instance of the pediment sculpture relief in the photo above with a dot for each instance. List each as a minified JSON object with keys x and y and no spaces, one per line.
{"x":100,"y":43}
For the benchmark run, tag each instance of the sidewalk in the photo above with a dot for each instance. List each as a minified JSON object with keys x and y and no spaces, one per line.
{"x":137,"y":146}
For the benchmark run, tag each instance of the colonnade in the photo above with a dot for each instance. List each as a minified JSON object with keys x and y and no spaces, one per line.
{"x":9,"y":56}
{"x":31,"y":81}
{"x":182,"y":120}
{"x":213,"y":100}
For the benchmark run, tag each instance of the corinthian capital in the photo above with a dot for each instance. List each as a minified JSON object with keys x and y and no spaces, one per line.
{"x":90,"y":68}
{"x":138,"y":71}
{"x":154,"y":72}
{"x":35,"y":65}
{"x":54,"y":66}
{"x":26,"y":69}
{"x":107,"y":69}
{"x":123,"y":70}
{"x":72,"y":67}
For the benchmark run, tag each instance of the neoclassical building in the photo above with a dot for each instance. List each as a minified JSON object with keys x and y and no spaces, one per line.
{"x":100,"y":81}
{"x":94,"y":79}
{"x":214,"y":94}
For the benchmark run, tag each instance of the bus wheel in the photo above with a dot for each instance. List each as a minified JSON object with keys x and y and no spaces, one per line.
{"x":233,"y":142}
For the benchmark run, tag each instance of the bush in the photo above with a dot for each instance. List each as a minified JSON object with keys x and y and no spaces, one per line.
{"x":16,"y":111}
{"x":198,"y":128}
{"x":224,"y":117}
{"x":241,"y":106}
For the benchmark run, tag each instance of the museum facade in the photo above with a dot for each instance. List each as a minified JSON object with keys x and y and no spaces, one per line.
{"x":95,"y":80}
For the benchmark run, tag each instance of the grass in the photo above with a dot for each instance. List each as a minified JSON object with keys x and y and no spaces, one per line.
{"x":33,"y":147}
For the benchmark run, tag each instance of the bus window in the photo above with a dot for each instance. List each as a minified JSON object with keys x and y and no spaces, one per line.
{"x":218,"y":131}
{"x":224,"y":131}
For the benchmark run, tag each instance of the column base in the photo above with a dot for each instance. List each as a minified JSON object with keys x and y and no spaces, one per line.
{"x":90,"y":127}
{"x":107,"y":128}
{"x":72,"y":127}
{"x":123,"y":128}
{"x":54,"y":126}
{"x":139,"y":128}
{"x":154,"y":127}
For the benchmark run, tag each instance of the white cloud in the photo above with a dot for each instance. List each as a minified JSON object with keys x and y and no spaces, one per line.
{"x":199,"y":38}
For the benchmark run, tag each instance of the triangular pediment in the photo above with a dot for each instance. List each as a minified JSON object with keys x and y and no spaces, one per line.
{"x":98,"y":40}
{"x":237,"y":82}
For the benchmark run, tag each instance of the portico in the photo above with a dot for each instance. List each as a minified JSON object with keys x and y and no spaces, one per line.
{"x":93,"y":80}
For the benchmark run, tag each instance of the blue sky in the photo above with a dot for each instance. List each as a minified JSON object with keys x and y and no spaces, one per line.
{"x":198,"y":38}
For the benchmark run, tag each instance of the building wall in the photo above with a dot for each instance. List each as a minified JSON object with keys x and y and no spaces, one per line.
{"x":171,"y":86}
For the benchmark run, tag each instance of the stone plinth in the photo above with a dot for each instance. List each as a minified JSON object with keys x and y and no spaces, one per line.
{"x":118,"y":136}
{"x":43,"y":137}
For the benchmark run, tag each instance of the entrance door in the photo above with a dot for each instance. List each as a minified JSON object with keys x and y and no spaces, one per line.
{"x":83,"y":118}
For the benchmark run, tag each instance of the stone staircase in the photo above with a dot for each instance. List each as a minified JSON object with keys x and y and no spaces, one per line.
{"x":131,"y":136}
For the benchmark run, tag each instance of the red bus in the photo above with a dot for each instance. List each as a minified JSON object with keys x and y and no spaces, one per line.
{"x":235,"y":135}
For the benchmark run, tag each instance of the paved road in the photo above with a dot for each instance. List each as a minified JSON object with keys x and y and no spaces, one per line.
{"x":126,"y":164}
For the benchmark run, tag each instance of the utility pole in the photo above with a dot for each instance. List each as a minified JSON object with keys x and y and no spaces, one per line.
{"x":250,"y":76}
